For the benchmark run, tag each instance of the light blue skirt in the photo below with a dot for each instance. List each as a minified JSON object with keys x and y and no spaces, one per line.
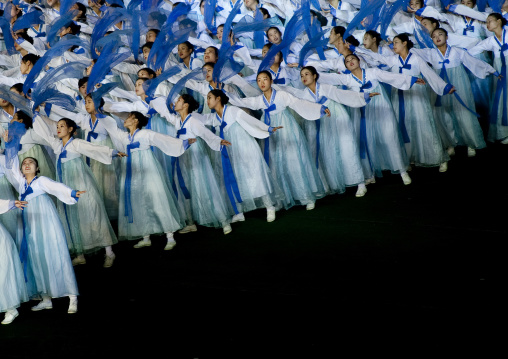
{"x":49,"y":266}
{"x":86,"y":223}
{"x":12,"y":282}
{"x":154,"y":209}
{"x":10,"y":219}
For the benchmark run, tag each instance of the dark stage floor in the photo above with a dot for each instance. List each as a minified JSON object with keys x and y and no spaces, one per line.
{"x":418,"y":264}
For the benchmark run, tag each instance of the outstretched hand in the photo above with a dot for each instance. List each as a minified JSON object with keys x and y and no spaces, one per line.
{"x":191,"y":140}
{"x":122,"y":154}
{"x":276,"y":128}
{"x":79,"y":193}
{"x":225,"y":143}
{"x":292,"y":64}
{"x":453,"y":89}
{"x":420,"y":82}
{"x":372,"y":94}
{"x":328,"y":113}
{"x":20,"y":204}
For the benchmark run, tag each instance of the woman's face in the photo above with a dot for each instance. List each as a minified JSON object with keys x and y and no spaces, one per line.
{"x":334,"y":37}
{"x":250,"y":4}
{"x":202,"y":8}
{"x":82,"y":89}
{"x":131,"y":121}
{"x":468,"y":3}
{"x":24,"y":68}
{"x":4,"y":103}
{"x":416,"y":4}
{"x":274,"y":36}
{"x":368,"y":41}
{"x":352,"y":63}
{"x":399,"y":46}
{"x":493,"y":23}
{"x":307,"y":77}
{"x":429,"y":25}
{"x":179,"y":104}
{"x":264,"y":82}
{"x":220,"y":31}
{"x":89,"y":105}
{"x":212,"y":101}
{"x":208,"y":72}
{"x":53,"y":3}
{"x":62,"y":130}
{"x":184,"y":51}
{"x":146,"y":52}
{"x":145,"y":75}
{"x":139,"y":87}
{"x":29,"y":166}
{"x":209,"y":55}
{"x":439,"y":38}
{"x":150,"y":36}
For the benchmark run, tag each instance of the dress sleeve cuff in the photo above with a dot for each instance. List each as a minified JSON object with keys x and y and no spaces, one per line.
{"x":420,"y":11}
{"x":496,"y":74}
{"x":447,"y":89}
{"x":12,"y":204}
{"x":73,"y":195}
{"x":323,"y":108}
{"x":366,"y":96}
{"x":413,"y":80}
{"x":352,"y":48}
{"x":185,"y":144}
{"x":452,"y":8}
{"x":114,"y":154}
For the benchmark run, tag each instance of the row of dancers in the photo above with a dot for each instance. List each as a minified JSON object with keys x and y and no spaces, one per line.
{"x":199,"y":128}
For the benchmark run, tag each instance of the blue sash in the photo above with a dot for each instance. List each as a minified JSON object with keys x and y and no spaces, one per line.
{"x":270,"y":106}
{"x":402,"y":107}
{"x":175,"y":162}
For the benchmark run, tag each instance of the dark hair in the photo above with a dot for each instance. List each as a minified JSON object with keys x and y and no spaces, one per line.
{"x":82,"y":8}
{"x":440,"y":29}
{"x":266,"y":72}
{"x":30,"y":57}
{"x":26,"y":119}
{"x":432,"y":20}
{"x":70,"y":123}
{"x":193,"y":104}
{"x":211,"y":64}
{"x":18,"y":87}
{"x":156,"y":31}
{"x":498,"y":16}
{"x":224,"y":99}
{"x":339,"y":30}
{"x":36,"y":164}
{"x":269,"y":45}
{"x":148,"y":45}
{"x":375,"y":35}
{"x":149,"y":70}
{"x":264,"y":12}
{"x":75,"y":28}
{"x":312,"y":70}
{"x":25,"y":36}
{"x":221,"y":25}
{"x":142,"y":119}
{"x":405,"y":38}
{"x":353,"y":41}
{"x":82,"y":81}
{"x":322,"y":20}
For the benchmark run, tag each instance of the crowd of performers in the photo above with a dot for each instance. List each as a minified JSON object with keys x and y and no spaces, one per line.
{"x":159,"y":116}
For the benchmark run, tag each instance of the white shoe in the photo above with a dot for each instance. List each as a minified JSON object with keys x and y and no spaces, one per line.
{"x":270,"y":215}
{"x":451,"y":151}
{"x":311,"y":206}
{"x":108,"y":261}
{"x":471,"y":152}
{"x":406,"y":179}
{"x":10,"y":316}
{"x":238,"y":218}
{"x":191,"y":228}
{"x":142,"y":243}
{"x":42,"y":305}
{"x":227,"y":229}
{"x":505,"y":141}
{"x":170,"y":245}
{"x":78,"y":260}
{"x":443,"y":167}
{"x":73,"y":306}
{"x":362,"y":190}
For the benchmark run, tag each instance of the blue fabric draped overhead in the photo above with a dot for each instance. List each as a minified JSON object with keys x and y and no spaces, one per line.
{"x":70,"y":70}
{"x":388,"y":13}
{"x":54,"y":97}
{"x":112,"y":17}
{"x":368,"y":10}
{"x":18,"y":101}
{"x":57,"y":25}
{"x":35,"y":17}
{"x":209,"y":14}
{"x":106,"y":61}
{"x":496,"y":5}
{"x":12,"y":145}
{"x":294,"y":28}
{"x":99,"y":93}
{"x":316,"y":42}
{"x":5,"y":25}
{"x":65,"y":5}
{"x":178,"y":87}
{"x":150,"y":86}
{"x":58,"y":50}
{"x":164,"y":44}
{"x":313,"y":29}
{"x":115,"y":37}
